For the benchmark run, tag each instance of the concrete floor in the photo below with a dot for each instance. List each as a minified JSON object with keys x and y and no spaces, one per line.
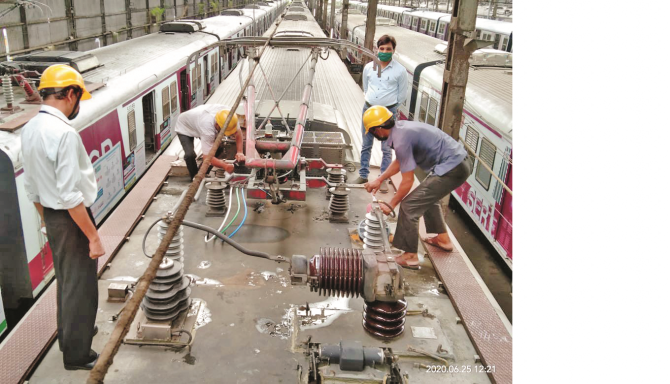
{"x":250,"y":297}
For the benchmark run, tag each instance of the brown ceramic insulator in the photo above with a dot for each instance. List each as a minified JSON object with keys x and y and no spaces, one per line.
{"x":385,"y":320}
{"x":338,"y":272}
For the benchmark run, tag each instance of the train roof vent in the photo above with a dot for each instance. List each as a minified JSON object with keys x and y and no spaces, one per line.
{"x":232,"y":12}
{"x":296,"y":17}
{"x":442,"y":48}
{"x":183,"y":26}
{"x":252,"y":6}
{"x":491,"y":58}
{"x":81,"y":61}
{"x":296,"y":9}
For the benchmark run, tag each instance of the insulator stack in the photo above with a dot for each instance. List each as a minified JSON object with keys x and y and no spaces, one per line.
{"x":216,"y":199}
{"x":339,"y":204}
{"x":9,"y":94}
{"x":372,"y":237}
{"x":338,"y":271}
{"x":335,"y":177}
{"x":220,"y":173}
{"x":175,"y":250}
{"x":385,"y":319}
{"x":169,"y":292}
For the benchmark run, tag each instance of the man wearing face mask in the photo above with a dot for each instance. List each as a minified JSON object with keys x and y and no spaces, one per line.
{"x":389,"y":90}
{"x":439,"y":155}
{"x":60,"y":181}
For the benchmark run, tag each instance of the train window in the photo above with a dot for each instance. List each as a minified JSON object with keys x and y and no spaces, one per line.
{"x":132,"y":134}
{"x":432,"y":26}
{"x":423,"y":107}
{"x":504,"y":44}
{"x":173,"y":93}
{"x":166,"y":102}
{"x":432,"y":112}
{"x":487,"y":155}
{"x":423,"y":24}
{"x":200,"y":74}
{"x":213,"y":66}
{"x":194,"y":79}
{"x":471,"y":139}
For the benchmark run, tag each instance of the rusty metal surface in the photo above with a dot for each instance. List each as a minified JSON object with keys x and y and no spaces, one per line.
{"x":34,"y":333}
{"x":485,"y":328}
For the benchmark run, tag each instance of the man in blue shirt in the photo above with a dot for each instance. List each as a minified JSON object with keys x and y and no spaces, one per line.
{"x":425,"y":146}
{"x":389,"y":90}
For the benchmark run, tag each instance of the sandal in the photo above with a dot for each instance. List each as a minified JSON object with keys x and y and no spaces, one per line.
{"x":403,"y":263}
{"x":433,"y":241}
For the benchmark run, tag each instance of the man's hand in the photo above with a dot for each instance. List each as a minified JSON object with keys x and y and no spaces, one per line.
{"x":239,"y":157}
{"x":95,"y":248}
{"x":385,"y":209}
{"x":373,"y":186}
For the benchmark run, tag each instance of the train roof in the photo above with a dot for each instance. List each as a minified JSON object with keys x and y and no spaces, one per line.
{"x":489,"y":90}
{"x":336,"y":98}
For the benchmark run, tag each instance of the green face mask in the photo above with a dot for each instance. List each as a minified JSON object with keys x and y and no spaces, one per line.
{"x":384,"y":56}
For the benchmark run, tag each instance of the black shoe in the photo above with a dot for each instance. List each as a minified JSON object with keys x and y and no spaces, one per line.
{"x":95,"y":332}
{"x":86,"y":367}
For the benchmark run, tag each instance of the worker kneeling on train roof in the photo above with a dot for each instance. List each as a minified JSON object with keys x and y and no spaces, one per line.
{"x":205,"y":122}
{"x":60,"y":181}
{"x":425,"y":146}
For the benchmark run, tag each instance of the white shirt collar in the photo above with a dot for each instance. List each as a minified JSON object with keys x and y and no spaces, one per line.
{"x":56,"y":112}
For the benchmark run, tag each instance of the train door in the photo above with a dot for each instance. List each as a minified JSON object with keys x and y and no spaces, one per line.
{"x":504,"y":232}
{"x":205,"y":61}
{"x":496,"y":43}
{"x":415,"y":24}
{"x":184,"y":91}
{"x":149,"y":119}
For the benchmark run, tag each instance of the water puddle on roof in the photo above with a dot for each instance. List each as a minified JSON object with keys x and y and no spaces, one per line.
{"x":197,"y":280}
{"x":323,"y":313}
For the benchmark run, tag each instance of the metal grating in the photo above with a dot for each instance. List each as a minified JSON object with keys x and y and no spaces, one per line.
{"x":486,"y":330}
{"x":31,"y":337}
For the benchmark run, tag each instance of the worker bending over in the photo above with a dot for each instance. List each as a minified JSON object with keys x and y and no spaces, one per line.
{"x":425,"y":146}
{"x":60,"y":181}
{"x":205,"y":122}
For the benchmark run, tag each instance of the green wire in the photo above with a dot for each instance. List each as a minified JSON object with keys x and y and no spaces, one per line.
{"x":237,"y":197}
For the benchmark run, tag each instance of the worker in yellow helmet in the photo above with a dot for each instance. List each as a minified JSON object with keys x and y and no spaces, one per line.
{"x":204,"y":122}
{"x":60,"y":180}
{"x":440,"y":156}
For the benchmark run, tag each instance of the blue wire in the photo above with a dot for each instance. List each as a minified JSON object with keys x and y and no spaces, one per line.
{"x":244,"y":201}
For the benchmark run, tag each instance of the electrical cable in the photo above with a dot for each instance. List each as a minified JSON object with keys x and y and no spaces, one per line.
{"x":237,"y":195}
{"x":230,"y":196}
{"x":244,"y":202}
{"x":228,"y":240}
{"x":145,"y":237}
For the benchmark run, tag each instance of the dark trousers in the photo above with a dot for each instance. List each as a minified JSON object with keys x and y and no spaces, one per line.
{"x":425,"y":201}
{"x":77,"y":284}
{"x":190,"y":156}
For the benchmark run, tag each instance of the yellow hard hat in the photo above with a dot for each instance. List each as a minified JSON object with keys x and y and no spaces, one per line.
{"x":221,"y":119}
{"x":61,"y":76}
{"x":376,"y":116}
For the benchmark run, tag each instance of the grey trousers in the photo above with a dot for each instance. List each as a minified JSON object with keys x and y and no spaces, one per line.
{"x":77,"y":283}
{"x":425,"y":201}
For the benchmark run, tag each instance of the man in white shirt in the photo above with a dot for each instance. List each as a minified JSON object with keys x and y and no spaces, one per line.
{"x":389,"y":90}
{"x":60,"y":181}
{"x":204,"y":122}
